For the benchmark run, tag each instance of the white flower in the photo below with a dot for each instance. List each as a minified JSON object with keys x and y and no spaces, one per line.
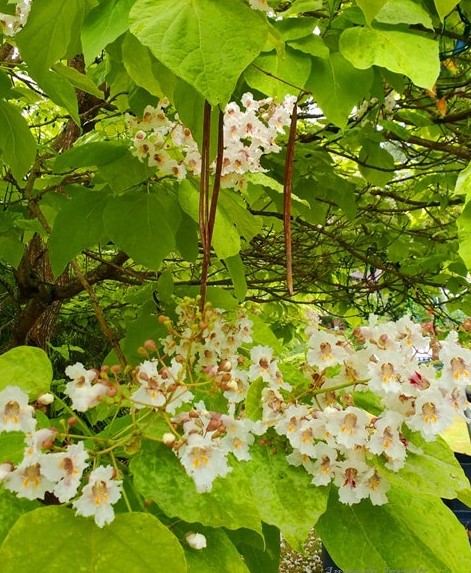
{"x":83,"y":394}
{"x":99,"y":495}
{"x":195,"y":540}
{"x":324,"y":350}
{"x":386,"y":439}
{"x":84,"y":397}
{"x":79,"y":374}
{"x":264,"y":366}
{"x":204,"y":461}
{"x":238,"y":437}
{"x":15,"y":413}
{"x":456,"y":361}
{"x":376,"y":486}
{"x":388,"y":372}
{"x":66,"y":469}
{"x":28,"y":480}
{"x":349,"y":477}
{"x":323,"y":469}
{"x":348,"y":426}
{"x":433,"y":414}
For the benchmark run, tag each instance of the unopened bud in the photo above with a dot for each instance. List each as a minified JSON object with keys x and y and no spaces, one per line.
{"x":112,"y":391}
{"x":168,"y":439}
{"x":142,"y":351}
{"x":116,"y":369}
{"x":150,"y":345}
{"x":196,"y":540}
{"x":225,"y":366}
{"x":72,"y":421}
{"x":46,"y":399}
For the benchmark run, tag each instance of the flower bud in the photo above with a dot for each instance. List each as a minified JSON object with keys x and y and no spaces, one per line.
{"x":45,"y":399}
{"x":196,"y":540}
{"x":168,"y":439}
{"x":150,"y":345}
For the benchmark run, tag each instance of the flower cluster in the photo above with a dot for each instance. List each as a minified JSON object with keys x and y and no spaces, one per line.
{"x":47,"y":469}
{"x":250,"y":131}
{"x":314,"y":414}
{"x":330,"y":437}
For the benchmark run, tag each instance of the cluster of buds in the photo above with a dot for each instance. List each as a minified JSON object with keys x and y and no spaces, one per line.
{"x":250,"y":132}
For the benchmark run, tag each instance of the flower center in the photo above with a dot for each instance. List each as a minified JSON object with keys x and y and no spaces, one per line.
{"x":32,"y":475}
{"x":100,"y":492}
{"x":429,"y":411}
{"x":12,"y":412}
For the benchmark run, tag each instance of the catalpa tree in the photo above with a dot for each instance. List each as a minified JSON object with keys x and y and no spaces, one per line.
{"x":197,"y":154}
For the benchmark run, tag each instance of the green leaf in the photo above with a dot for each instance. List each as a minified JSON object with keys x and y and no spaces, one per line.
{"x":444,"y":7}
{"x":28,"y":368}
{"x":236,"y":269}
{"x":259,"y":558}
{"x":183,"y":34}
{"x":219,"y":555}
{"x":153,"y":239}
{"x":165,"y":286}
{"x":11,"y":250}
{"x":338,"y":86}
{"x":370,"y":8}
{"x":78,"y":80}
{"x":144,"y":69}
{"x":276,"y":487}
{"x":132,"y":542}
{"x":124,"y":173}
{"x":233,"y":205}
{"x":300,"y":6}
{"x":137,"y":332}
{"x":279,"y":74}
{"x":376,"y":164}
{"x":406,"y":53}
{"x":463,"y":183}
{"x":16,"y":142}
{"x":253,"y":400}
{"x":226,"y":239}
{"x":5,"y":85}
{"x":47,"y":34}
{"x":403,"y":12}
{"x":186,"y":238}
{"x":61,"y":92}
{"x":190,"y":107}
{"x":103,"y":24}
{"x":410,"y":533}
{"x":11,"y":508}
{"x":12,"y":447}
{"x":464,"y":234}
{"x":78,"y":225}
{"x":158,"y":475}
{"x":434,"y":472}
{"x":312,"y":45}
{"x":94,"y":153}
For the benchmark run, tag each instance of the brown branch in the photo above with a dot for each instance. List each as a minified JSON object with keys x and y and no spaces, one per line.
{"x":287,"y":183}
{"x":458,"y":151}
{"x":105,"y":328}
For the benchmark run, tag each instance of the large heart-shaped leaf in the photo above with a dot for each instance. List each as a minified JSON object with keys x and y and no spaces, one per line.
{"x":206,"y":43}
